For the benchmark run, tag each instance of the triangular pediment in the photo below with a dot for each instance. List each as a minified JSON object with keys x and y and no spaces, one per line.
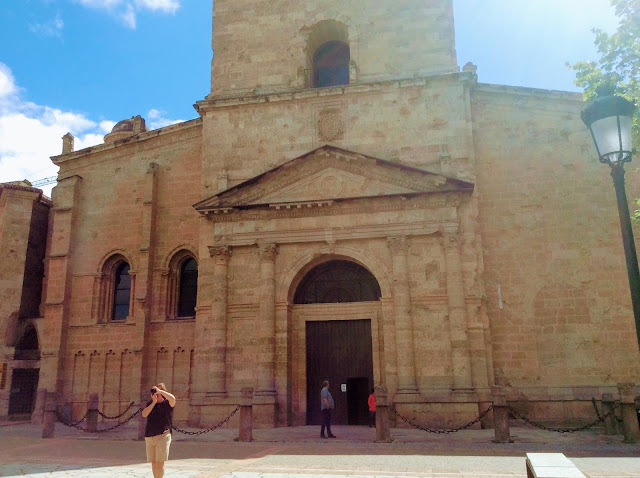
{"x":330,"y":174}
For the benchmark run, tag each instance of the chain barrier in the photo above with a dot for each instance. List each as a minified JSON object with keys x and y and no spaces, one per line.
{"x":595,"y":407}
{"x":200,"y":432}
{"x":565,"y":430}
{"x":102,"y":430}
{"x":77,"y":425}
{"x":106,"y":417}
{"x":440,"y":430}
{"x":62,"y":420}
{"x":593,"y":400}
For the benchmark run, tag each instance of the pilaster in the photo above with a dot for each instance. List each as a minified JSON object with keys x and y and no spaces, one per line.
{"x":142,"y":279}
{"x":266,"y":326}
{"x":58,"y":294}
{"x":405,"y":356}
{"x":451,"y":243}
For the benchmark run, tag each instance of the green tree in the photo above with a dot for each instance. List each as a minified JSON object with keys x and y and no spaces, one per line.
{"x":618,"y":69}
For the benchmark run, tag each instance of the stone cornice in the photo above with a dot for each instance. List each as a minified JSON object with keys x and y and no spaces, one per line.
{"x":338,"y":207}
{"x":249,"y":98}
{"x":176,"y":128}
{"x":553,"y":95}
{"x":381,"y":231}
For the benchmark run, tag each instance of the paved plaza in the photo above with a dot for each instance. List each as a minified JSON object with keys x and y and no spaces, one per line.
{"x":299,"y":452}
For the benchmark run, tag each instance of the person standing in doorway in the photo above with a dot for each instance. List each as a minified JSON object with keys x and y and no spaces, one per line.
{"x":372,"y":408}
{"x":326,"y":405}
{"x":158,"y":412}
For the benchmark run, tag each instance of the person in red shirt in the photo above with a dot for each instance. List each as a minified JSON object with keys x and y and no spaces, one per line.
{"x":372,"y":408}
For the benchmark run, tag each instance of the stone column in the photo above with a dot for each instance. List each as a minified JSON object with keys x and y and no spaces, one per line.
{"x":245,"y":429}
{"x":500,"y":417}
{"x":92,"y":413}
{"x":630,"y":426}
{"x":383,"y":429}
{"x":266,"y":327}
{"x":50,"y":415}
{"x":457,"y":311}
{"x":405,"y":357}
{"x":610,"y":423}
{"x":218,"y":330}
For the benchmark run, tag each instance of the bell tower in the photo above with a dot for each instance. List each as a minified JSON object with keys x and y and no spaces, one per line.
{"x":272,"y":46}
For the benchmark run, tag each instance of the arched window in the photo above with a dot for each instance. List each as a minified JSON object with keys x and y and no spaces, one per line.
{"x":337,"y":281}
{"x":331,"y":64}
{"x":188,"y":288}
{"x":122,"y":292}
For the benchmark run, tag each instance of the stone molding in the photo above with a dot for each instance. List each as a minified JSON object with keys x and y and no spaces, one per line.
{"x":357,"y":176}
{"x":372,"y":85}
{"x":268,"y":251}
{"x":398,"y":244}
{"x":354,"y":206}
{"x":297,"y":236}
{"x":221,"y":253}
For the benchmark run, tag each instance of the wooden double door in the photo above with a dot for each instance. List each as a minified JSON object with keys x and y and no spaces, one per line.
{"x":340,"y":351}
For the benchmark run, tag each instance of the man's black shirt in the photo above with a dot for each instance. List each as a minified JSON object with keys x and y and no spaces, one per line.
{"x":159,"y":420}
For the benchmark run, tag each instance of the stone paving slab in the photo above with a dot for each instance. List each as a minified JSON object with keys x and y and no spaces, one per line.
{"x":299,"y":452}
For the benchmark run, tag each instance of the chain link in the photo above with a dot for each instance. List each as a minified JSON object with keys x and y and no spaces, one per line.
{"x":76,"y":425}
{"x":200,"y":432}
{"x":440,"y":430}
{"x":117,"y":416}
{"x":62,"y":420}
{"x":117,"y":425}
{"x":564,"y":430}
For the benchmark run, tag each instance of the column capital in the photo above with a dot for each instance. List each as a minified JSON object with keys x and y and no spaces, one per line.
{"x":398,"y":244}
{"x":220,"y":253}
{"x":450,"y":240}
{"x":268,"y":251}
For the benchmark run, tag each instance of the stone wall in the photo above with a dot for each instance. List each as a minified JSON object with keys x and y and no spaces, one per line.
{"x":268,"y":46}
{"x":551,"y":241}
{"x":23,"y":229}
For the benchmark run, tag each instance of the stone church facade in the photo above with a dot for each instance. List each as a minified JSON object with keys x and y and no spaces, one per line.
{"x":349,"y":205}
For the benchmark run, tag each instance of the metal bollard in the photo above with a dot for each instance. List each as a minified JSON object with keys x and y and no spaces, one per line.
{"x":608,"y":407}
{"x":500,"y":417}
{"x":50,"y":416}
{"x":92,"y":413}
{"x":383,"y":430}
{"x":630,"y":427}
{"x":245,"y":429}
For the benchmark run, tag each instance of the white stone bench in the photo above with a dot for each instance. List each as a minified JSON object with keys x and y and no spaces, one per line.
{"x":551,"y":465}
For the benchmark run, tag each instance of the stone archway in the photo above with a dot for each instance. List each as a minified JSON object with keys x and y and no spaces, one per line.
{"x":25,"y":374}
{"x":336,"y":304}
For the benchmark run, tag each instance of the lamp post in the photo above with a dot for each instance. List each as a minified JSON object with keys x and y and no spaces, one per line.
{"x":609,"y":121}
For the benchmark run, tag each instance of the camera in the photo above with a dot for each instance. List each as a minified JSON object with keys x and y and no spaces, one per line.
{"x":153,"y":390}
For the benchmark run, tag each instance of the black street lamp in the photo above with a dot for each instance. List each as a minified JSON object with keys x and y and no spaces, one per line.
{"x":609,"y":121}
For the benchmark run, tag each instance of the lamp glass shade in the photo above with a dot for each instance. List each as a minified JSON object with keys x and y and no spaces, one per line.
{"x":612,"y":137}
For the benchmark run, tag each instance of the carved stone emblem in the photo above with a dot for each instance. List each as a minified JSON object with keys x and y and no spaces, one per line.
{"x":330,"y":125}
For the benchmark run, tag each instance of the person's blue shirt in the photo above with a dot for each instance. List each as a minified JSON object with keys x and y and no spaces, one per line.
{"x":326,"y":394}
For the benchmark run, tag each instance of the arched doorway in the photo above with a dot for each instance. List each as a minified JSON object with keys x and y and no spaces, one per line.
{"x":24,"y":379}
{"x":338,"y":349}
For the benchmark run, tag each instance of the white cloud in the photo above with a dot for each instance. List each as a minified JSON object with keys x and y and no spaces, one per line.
{"x":168,"y":6}
{"x":129,"y":16}
{"x":7,"y":83}
{"x":51,"y":28}
{"x":156,"y":119}
{"x":128,"y":10}
{"x":30,"y":133}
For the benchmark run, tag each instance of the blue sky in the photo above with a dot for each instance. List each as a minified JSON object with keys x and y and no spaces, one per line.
{"x":82,"y":65}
